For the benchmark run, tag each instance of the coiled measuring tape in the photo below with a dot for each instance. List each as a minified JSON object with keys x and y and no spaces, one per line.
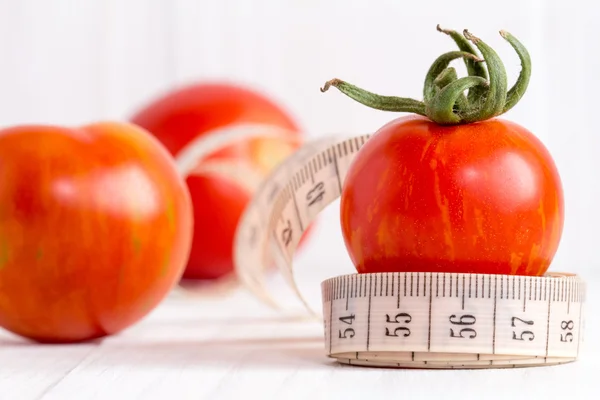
{"x":416,"y":320}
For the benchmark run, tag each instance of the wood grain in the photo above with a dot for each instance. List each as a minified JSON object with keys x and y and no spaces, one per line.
{"x":230,"y":346}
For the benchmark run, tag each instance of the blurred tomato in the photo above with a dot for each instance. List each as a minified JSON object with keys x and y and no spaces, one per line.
{"x":95,"y":229}
{"x":180,"y":117}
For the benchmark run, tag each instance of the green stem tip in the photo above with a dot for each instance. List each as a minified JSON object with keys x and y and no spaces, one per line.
{"x":444,"y":100}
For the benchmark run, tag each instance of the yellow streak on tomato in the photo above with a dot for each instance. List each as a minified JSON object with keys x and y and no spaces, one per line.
{"x":478,"y":223}
{"x":515,"y":262}
{"x":442,"y":203}
{"x":373,"y":208}
{"x":356,"y":244}
{"x":370,"y":213}
{"x":426,"y":147}
{"x":555,"y":232}
{"x":386,"y":243}
{"x":540,"y":211}
{"x":440,"y":152}
{"x":411,"y":185}
{"x":533,"y":254}
{"x":383,"y":180}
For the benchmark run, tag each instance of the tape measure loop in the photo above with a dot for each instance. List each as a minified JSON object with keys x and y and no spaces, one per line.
{"x":416,"y":320}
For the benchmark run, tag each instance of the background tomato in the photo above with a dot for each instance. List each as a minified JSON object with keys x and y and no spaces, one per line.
{"x":183,"y":115}
{"x":478,"y":198}
{"x":95,"y":229}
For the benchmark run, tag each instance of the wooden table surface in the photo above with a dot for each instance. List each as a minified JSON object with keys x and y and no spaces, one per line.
{"x":227,"y":345}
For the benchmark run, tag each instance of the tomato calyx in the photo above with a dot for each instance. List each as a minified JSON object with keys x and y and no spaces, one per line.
{"x":444,"y":101}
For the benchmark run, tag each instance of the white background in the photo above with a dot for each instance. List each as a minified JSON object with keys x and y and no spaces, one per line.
{"x":69,"y":62}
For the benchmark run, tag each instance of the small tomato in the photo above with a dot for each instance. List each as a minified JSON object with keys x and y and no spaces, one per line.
{"x":453,"y":189}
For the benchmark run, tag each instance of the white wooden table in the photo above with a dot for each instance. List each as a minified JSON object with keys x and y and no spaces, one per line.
{"x":230,"y":346}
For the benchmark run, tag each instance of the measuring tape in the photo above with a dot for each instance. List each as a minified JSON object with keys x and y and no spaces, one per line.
{"x":442,"y":320}
{"x":417,"y":320}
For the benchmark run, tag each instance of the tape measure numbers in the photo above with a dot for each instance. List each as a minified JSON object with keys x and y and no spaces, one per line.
{"x":431,"y":320}
{"x":452,"y":320}
{"x":285,"y":205}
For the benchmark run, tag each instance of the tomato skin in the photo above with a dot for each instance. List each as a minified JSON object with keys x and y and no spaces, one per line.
{"x":187,"y":113}
{"x":179,"y":116}
{"x":477,"y":198}
{"x":95,"y":229}
{"x":218,"y":227}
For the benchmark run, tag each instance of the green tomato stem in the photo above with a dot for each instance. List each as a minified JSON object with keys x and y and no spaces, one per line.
{"x":474,"y":68}
{"x":444,"y":113}
{"x":495,"y":98}
{"x":518,"y":90}
{"x":444,"y":99}
{"x":438,"y":66}
{"x":446,"y":77}
{"x":385,"y":103}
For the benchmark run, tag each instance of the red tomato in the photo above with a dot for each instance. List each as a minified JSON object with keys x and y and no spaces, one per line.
{"x":95,"y":229}
{"x":484,"y":197}
{"x":183,"y":115}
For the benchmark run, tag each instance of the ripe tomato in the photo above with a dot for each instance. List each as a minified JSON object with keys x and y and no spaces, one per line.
{"x":183,"y":115}
{"x":477,"y":198}
{"x":95,"y":229}
{"x":454,"y":188}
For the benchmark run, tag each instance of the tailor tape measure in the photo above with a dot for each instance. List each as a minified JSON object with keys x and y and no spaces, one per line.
{"x":416,"y":320}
